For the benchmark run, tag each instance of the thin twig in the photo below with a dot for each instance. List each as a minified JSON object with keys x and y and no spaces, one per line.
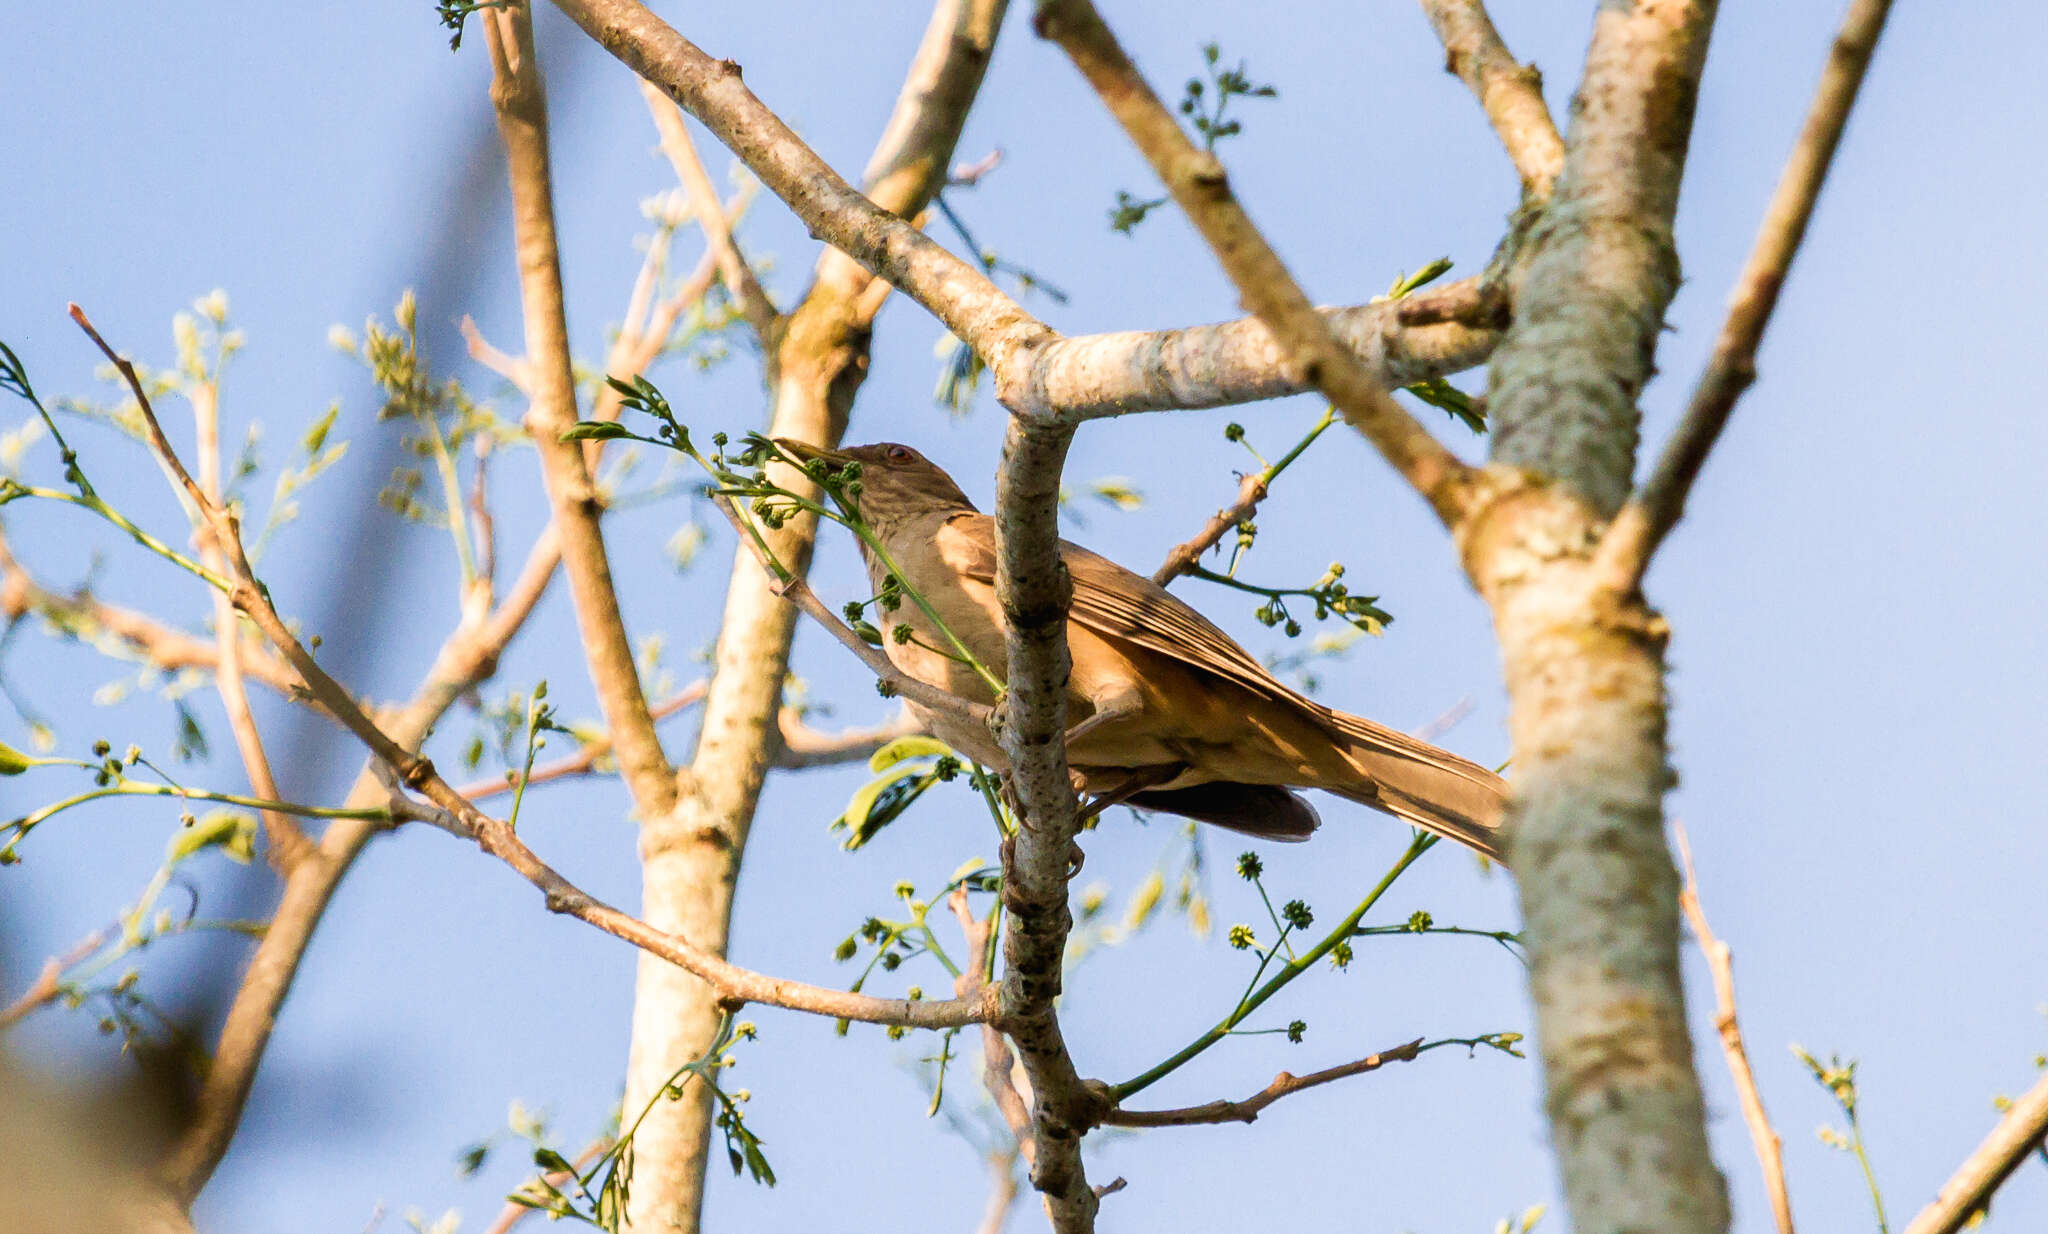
{"x":587,"y":756}
{"x":1628,"y":545}
{"x":285,"y":842}
{"x":1248,"y":1109}
{"x":753,"y":302}
{"x":167,"y":648}
{"x":1721,"y":963}
{"x":1251,"y":490}
{"x":2023,"y":1130}
{"x":400,"y":769}
{"x":520,"y":105}
{"x":47,"y":986}
{"x":997,"y":1063}
{"x":1197,"y":181}
{"x":513,"y":1213}
{"x":1511,"y":93}
{"x":892,"y":680}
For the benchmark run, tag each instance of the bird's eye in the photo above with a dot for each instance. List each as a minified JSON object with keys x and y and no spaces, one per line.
{"x":901,"y":454}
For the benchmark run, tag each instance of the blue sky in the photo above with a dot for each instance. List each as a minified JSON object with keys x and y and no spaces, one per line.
{"x":1855,"y":594}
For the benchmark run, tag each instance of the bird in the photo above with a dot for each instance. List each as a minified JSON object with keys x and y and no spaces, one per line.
{"x":1166,"y":712}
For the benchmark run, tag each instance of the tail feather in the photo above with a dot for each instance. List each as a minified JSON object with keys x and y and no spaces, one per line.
{"x":1262,"y":810}
{"x":1421,"y":784}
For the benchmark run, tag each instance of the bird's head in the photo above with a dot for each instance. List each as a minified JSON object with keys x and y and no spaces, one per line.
{"x":896,"y":482}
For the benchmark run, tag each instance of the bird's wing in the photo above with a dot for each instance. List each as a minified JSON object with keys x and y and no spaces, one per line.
{"x":1114,"y":601}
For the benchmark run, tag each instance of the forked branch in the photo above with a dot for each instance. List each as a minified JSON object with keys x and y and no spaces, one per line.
{"x":1198,"y":183}
{"x":1642,"y":524}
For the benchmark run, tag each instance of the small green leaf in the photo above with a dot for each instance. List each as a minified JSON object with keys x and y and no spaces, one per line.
{"x":13,"y":762}
{"x":595,"y":430}
{"x":231,"y":831}
{"x":907,"y":747}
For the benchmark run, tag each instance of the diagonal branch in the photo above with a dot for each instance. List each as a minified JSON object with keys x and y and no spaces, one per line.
{"x":711,"y":90}
{"x":1642,"y":524}
{"x":453,"y":813}
{"x":1968,"y":1191}
{"x":753,"y":302}
{"x":1721,"y":963}
{"x":521,"y":106}
{"x":1249,"y":1109}
{"x":166,"y":647}
{"x":1511,"y":92}
{"x":399,"y":769}
{"x":1198,"y":183}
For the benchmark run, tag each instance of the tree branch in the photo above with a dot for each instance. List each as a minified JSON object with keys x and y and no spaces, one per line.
{"x":285,"y":842}
{"x":1626,"y":549}
{"x":454,"y":814}
{"x":1092,"y":376}
{"x":587,"y":756}
{"x":1251,"y":490}
{"x":1721,"y":963}
{"x":1584,"y":672}
{"x":754,"y":304}
{"x":521,"y":106}
{"x":1033,"y":587}
{"x":1511,"y":93}
{"x":802,"y":746}
{"x":1198,"y":183}
{"x":399,"y":769}
{"x":1249,"y":1109}
{"x":711,"y":90}
{"x":468,"y":655}
{"x":2023,"y":1129}
{"x":160,"y":645}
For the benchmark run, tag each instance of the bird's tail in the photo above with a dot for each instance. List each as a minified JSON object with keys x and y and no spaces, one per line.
{"x":1418,"y":783}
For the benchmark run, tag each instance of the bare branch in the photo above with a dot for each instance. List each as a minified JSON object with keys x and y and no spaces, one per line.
{"x":711,"y":90}
{"x":1034,"y":590}
{"x":1250,"y":492}
{"x":2023,"y":1130}
{"x":1721,"y":963}
{"x":1249,"y":1109}
{"x":521,"y":106}
{"x":1511,"y":93}
{"x":587,"y":756}
{"x":486,"y":353}
{"x":1585,"y":674}
{"x":165,"y":647}
{"x":1198,"y":183}
{"x":1626,"y":549}
{"x":46,"y":987}
{"x":454,"y":814}
{"x":286,"y":843}
{"x":753,"y":302}
{"x":803,"y":746}
{"x":1091,"y":376}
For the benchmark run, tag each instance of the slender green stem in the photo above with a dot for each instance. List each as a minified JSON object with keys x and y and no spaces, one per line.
{"x":1869,"y":1175}
{"x":1271,"y":593}
{"x":129,"y":788}
{"x":1273,"y":471}
{"x":92,"y":501}
{"x":1292,"y":969}
{"x":451,"y":490}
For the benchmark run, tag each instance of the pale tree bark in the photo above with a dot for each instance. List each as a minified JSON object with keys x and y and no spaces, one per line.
{"x":1584,"y":666}
{"x":690,"y":855}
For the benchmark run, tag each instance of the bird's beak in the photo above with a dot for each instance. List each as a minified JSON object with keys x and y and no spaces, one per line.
{"x":806,"y":451}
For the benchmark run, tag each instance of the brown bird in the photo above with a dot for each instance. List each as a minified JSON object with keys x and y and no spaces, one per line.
{"x":1168,"y":713}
